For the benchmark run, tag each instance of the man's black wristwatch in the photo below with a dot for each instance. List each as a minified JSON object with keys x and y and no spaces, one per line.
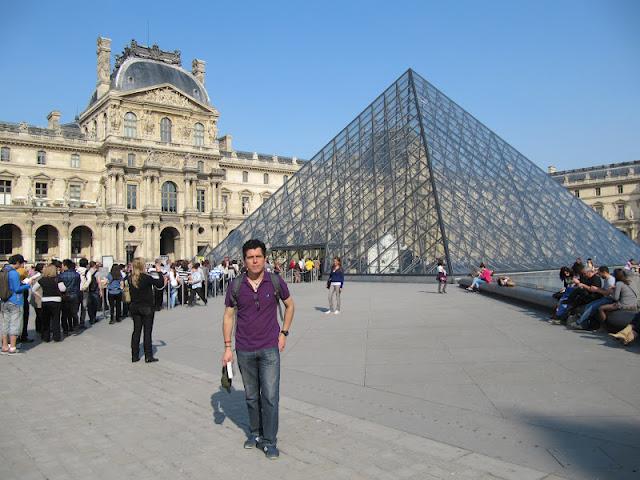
{"x":285,"y":332}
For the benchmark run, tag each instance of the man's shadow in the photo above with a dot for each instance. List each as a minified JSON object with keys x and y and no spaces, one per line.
{"x":230,"y":405}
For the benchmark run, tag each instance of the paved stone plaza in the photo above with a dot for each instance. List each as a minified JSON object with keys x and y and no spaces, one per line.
{"x":405,"y":383}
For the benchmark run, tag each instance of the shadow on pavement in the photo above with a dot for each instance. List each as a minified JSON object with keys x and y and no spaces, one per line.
{"x":230,"y":405}
{"x":591,"y":448}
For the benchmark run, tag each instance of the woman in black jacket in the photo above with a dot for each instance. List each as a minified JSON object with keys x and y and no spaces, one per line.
{"x":142,"y":307}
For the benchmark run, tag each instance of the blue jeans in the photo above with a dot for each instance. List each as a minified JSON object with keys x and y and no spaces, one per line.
{"x":260,"y":372}
{"x":591,"y":309}
{"x":477,"y":282}
{"x":173,"y":295}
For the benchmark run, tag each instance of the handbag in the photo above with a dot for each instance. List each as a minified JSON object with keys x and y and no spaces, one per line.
{"x":126,"y":294}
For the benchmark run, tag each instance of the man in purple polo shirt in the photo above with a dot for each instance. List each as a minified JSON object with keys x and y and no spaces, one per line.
{"x":259,"y":341}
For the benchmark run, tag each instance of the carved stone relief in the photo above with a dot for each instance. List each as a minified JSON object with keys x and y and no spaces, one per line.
{"x":165,"y":96}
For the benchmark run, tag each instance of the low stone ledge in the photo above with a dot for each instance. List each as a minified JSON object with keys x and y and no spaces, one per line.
{"x":540,"y":298}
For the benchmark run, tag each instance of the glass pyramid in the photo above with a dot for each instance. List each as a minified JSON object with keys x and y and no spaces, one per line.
{"x":414,"y":179}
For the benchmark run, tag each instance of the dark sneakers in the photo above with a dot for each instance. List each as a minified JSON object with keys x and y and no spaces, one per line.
{"x":271,"y":452}
{"x":251,"y":443}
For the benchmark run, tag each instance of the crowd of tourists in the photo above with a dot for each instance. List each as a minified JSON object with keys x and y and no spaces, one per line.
{"x":591,"y":293}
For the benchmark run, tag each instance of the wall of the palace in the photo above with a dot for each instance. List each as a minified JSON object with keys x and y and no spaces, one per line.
{"x":102,"y":178}
{"x":613,"y":191}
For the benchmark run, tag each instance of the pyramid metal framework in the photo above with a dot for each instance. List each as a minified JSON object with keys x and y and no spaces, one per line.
{"x":414,"y":179}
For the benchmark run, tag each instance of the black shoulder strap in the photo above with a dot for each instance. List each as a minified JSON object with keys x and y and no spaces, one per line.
{"x":235,"y":289}
{"x":275,"y":280}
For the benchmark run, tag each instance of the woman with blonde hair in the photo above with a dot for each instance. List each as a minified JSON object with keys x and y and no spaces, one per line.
{"x":51,"y":300}
{"x":142,"y":307}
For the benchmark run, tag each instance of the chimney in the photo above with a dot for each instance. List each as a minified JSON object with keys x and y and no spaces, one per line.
{"x":551,"y":169}
{"x":104,"y":66}
{"x":54,"y":120}
{"x":198,"y":69}
{"x":225,"y":143}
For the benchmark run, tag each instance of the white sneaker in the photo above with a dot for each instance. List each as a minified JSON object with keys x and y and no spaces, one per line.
{"x":328,"y":312}
{"x":337,"y":312}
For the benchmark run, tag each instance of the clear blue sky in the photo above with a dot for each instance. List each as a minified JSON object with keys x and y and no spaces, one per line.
{"x":559,"y":80}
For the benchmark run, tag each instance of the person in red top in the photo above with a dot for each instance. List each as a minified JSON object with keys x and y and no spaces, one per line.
{"x":483,"y":277}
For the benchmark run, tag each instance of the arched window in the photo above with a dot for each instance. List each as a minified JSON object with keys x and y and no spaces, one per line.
{"x":130,"y":125}
{"x":265,"y":178}
{"x":169,"y":197}
{"x":198,"y":135}
{"x":165,"y":130}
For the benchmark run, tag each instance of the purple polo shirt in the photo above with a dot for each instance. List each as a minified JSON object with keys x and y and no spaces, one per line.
{"x":257,"y":324}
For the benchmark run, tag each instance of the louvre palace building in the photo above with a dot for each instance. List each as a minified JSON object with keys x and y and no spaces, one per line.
{"x":141,"y":171}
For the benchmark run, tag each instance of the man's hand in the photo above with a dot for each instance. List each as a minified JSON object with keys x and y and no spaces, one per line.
{"x":227,"y":356}
{"x":282,"y":342}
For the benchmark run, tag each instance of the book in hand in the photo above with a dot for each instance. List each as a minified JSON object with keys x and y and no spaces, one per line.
{"x":227,"y":377}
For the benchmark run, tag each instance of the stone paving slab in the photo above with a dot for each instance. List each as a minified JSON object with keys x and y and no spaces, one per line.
{"x":461,"y":370}
{"x":77,"y":410}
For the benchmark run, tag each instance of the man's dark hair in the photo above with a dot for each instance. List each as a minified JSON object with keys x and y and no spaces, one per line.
{"x":67,"y":262}
{"x":603,"y":268}
{"x":17,"y":258}
{"x":92,"y":264}
{"x":253,"y":244}
{"x":83,"y":262}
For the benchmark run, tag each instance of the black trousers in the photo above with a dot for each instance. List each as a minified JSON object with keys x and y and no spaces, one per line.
{"x":70,"y":313}
{"x":115,"y":306}
{"x":142,"y":319}
{"x":93,"y":301}
{"x":192,"y":295}
{"x":25,"y":313}
{"x":51,"y":321}
{"x":39,"y":321}
{"x":157,"y":297}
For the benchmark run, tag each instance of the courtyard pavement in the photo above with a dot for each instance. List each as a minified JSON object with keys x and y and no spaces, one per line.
{"x":405,"y":383}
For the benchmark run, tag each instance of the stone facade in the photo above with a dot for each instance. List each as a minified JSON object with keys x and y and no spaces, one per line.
{"x":141,"y":172}
{"x":611,"y":190}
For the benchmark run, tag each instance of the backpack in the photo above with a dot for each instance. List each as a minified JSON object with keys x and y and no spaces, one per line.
{"x":5,"y":291}
{"x":114,"y":285}
{"x":275,"y":281}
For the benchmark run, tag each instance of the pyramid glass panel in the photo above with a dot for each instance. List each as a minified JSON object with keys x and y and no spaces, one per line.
{"x":415,"y":179}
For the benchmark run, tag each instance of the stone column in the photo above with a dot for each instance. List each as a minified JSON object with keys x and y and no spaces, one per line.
{"x":120,"y":242}
{"x":218,"y":195}
{"x":28,"y":243}
{"x":155,"y":195}
{"x":98,"y":241}
{"x":109,"y":190}
{"x":64,"y":241}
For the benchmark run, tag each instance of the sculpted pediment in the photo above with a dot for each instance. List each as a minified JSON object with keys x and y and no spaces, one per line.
{"x":168,"y":95}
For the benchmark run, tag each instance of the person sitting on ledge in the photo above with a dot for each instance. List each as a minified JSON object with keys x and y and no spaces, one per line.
{"x":483,"y":277}
{"x":597,"y":291}
{"x":624,"y":297}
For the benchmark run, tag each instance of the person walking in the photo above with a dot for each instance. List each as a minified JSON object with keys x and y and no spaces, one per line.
{"x":195,"y":285}
{"x":335,"y":284}
{"x":11,"y":308}
{"x":82,"y":268}
{"x":142,"y":307}
{"x":254,"y":299}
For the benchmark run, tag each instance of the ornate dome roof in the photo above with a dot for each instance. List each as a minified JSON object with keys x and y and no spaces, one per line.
{"x":136,"y":73}
{"x":142,"y":67}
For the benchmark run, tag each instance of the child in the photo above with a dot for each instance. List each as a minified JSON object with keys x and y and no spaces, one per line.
{"x":441,"y":276}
